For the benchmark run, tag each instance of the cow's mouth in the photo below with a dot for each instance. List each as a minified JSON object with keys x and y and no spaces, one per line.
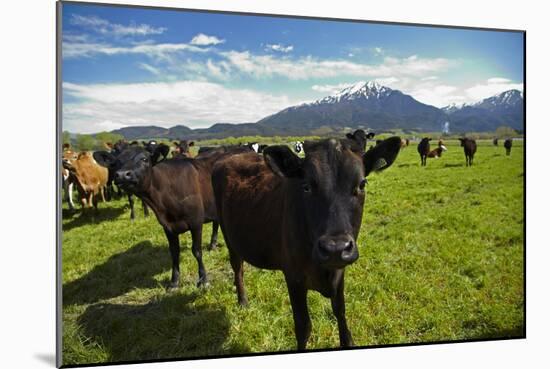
{"x":336,"y":253}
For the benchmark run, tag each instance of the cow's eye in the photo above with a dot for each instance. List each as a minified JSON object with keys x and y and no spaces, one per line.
{"x":306,"y":187}
{"x":360,"y":189}
{"x":144,"y":159}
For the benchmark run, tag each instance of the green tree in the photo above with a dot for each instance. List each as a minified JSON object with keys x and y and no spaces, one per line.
{"x":85,"y":142}
{"x":104,"y":137}
{"x":505,"y":131}
{"x":66,"y":137}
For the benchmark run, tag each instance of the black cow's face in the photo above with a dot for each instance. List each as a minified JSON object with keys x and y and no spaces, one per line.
{"x":329,"y":184}
{"x":132,"y":167}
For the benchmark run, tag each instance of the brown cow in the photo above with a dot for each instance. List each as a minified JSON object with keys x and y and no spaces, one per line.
{"x":90,"y":178}
{"x":436,"y":153}
{"x":470,"y":147}
{"x":298,"y":215}
{"x":424,"y":149}
{"x":508,"y":145}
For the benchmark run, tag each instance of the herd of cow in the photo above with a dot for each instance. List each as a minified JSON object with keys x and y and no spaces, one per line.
{"x":277,"y":210}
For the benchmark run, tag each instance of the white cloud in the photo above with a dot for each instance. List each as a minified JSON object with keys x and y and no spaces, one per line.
{"x":279,"y":47}
{"x":149,"y":68}
{"x":105,"y":27}
{"x":77,"y":49}
{"x":492,"y":87}
{"x":265,"y":66}
{"x":330,"y":89}
{"x":193,"y":103}
{"x":388,"y":81}
{"x":378,"y":51}
{"x":204,"y":40}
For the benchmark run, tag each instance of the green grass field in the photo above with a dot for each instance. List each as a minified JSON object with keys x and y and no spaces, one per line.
{"x":441,"y":258}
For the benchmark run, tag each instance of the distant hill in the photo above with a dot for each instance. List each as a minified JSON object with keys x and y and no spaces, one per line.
{"x":362,"y":105}
{"x":504,"y":109}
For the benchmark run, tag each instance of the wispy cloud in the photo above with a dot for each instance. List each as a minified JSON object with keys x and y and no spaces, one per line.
{"x":204,"y":40}
{"x":492,"y":86}
{"x":105,"y":27}
{"x":279,"y":47}
{"x":149,"y":68}
{"x":193,"y":103}
{"x":84,"y":49}
{"x":267,"y":66}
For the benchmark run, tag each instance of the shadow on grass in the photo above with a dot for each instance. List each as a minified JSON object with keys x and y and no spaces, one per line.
{"x":90,"y":216}
{"x":453,"y":165}
{"x":166,"y":328}
{"x":133,"y":268}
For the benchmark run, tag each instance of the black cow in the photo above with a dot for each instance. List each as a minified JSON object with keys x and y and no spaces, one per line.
{"x":179,"y":191}
{"x":361,"y":137}
{"x":298,"y":215}
{"x":470,"y":148}
{"x":508,"y":145}
{"x":495,"y":141}
{"x":424,"y":149}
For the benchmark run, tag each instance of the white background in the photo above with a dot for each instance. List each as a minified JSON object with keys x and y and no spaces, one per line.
{"x":27,"y":113}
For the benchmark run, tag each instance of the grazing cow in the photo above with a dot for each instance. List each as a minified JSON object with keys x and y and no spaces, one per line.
{"x":424,"y":149}
{"x":89,"y":177}
{"x":470,"y":148}
{"x":299,"y":146}
{"x":179,"y":191}
{"x":508,"y":145}
{"x":361,"y":137}
{"x":407,"y":141}
{"x":298,"y":215}
{"x":436,"y":153}
{"x":66,"y":176}
{"x":181,"y":149}
{"x":495,"y":141}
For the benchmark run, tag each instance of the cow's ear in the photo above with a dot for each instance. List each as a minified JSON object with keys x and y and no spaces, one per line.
{"x":382,"y":155}
{"x":108,"y":145}
{"x":370,"y":135}
{"x":282,"y":161}
{"x":161,"y":150}
{"x":66,"y":146}
{"x":104,"y":158}
{"x":349,"y":135}
{"x":191,"y":143}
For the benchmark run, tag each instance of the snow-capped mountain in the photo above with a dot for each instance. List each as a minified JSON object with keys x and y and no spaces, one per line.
{"x":505,"y":108}
{"x":364,"y":90}
{"x":366,"y":104}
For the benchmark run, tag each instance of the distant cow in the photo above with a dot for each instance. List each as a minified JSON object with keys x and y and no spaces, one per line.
{"x":404,"y":143}
{"x":179,"y":191}
{"x":298,"y":215}
{"x":508,"y":145}
{"x":181,"y":148}
{"x":89,"y":177}
{"x":424,"y":149}
{"x":256,"y":147}
{"x":436,"y":153}
{"x":470,"y":148}
{"x":495,"y":141}
{"x":361,"y":137}
{"x":299,"y":146}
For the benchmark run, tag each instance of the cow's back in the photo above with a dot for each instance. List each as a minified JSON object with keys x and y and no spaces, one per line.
{"x":92,"y":176}
{"x":250,"y":202}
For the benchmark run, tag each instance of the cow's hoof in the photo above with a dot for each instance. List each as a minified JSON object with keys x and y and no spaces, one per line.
{"x":203,"y":283}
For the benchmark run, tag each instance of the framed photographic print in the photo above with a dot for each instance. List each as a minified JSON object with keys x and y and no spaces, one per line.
{"x":236,"y":184}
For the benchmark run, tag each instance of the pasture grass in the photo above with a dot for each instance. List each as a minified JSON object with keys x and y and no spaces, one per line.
{"x":441,"y":258}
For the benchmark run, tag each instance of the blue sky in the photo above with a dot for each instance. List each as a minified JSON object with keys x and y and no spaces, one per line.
{"x":130,"y":66}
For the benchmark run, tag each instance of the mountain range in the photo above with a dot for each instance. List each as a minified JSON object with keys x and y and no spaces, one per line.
{"x":362,"y":105}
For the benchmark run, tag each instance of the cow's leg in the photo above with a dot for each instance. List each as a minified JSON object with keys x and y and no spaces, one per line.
{"x":131,"y":202}
{"x":94,"y":199}
{"x":339,"y":310}
{"x":70,"y":195}
{"x":214,"y":238}
{"x":174,"y":245}
{"x":298,"y":301}
{"x":196,"y":248}
{"x":238,"y":271}
{"x":102,"y":191}
{"x":145,"y":209}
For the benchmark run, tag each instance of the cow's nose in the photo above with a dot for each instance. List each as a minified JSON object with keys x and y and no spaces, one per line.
{"x":337,"y":249}
{"x":123,"y":175}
